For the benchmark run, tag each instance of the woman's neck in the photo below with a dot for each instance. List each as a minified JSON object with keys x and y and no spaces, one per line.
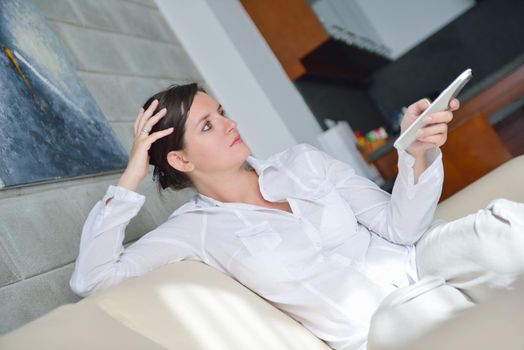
{"x":238,"y":187}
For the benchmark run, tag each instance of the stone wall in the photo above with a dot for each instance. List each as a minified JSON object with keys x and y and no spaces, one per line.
{"x":124,"y":52}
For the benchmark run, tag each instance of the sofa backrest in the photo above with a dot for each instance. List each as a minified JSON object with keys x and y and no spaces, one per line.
{"x":506,"y":181}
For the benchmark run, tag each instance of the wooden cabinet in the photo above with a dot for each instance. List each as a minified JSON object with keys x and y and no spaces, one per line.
{"x":472,"y":150}
{"x":303,"y":47}
{"x":290,"y":28}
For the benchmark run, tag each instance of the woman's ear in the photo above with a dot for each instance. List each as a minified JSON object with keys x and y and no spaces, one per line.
{"x":177,"y":160}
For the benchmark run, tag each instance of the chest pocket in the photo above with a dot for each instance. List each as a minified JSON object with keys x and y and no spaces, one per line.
{"x":331,"y":216}
{"x":259,"y":238}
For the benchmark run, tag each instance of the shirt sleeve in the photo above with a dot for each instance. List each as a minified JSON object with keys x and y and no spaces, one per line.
{"x":401,"y":217}
{"x":103,"y":261}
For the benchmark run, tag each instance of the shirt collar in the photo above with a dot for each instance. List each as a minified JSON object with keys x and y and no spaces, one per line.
{"x":260,"y":166}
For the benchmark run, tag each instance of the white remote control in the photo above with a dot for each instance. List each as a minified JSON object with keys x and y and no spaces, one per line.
{"x":441,"y":103}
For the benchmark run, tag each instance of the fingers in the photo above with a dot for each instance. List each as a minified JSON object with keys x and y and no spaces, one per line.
{"x":145,"y":143}
{"x":437,"y":140}
{"x":439,"y":117}
{"x":431,"y":130}
{"x":140,"y":113}
{"x":146,"y":120}
{"x":151,"y":138}
{"x":154,"y":119}
{"x":142,"y":119}
{"x":418,"y":107}
{"x":454,"y":104}
{"x":159,"y":134}
{"x":435,"y":134}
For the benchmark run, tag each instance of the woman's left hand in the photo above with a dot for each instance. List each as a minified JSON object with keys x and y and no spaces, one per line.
{"x":435,"y":131}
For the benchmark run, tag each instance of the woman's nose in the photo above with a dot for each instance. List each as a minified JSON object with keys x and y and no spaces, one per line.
{"x":230,"y":125}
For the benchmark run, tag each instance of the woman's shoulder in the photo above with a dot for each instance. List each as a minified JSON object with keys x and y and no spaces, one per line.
{"x":301,"y":155}
{"x":298,"y":150}
{"x":190,"y":206}
{"x":181,"y":224}
{"x":194,"y":208}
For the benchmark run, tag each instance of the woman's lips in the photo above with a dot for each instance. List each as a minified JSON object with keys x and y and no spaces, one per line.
{"x":237,"y":139}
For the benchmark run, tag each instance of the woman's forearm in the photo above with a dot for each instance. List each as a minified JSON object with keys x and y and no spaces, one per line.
{"x":102,"y":239}
{"x":129,"y":181}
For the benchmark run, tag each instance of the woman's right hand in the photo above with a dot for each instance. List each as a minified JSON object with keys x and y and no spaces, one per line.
{"x":138,"y":164}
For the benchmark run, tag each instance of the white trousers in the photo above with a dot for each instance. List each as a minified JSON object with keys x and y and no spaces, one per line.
{"x":460,"y":263}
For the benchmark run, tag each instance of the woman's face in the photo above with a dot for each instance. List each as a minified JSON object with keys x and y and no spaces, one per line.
{"x":212,"y":141}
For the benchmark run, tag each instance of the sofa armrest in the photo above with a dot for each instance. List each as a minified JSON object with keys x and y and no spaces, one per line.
{"x":506,"y":181}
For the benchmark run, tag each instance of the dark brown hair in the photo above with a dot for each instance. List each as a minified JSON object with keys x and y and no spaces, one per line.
{"x":177,"y":99}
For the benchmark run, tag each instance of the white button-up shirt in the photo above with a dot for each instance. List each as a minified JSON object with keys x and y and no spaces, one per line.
{"x":328,"y":264}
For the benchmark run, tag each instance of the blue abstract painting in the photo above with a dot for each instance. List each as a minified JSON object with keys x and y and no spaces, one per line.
{"x":50,"y":126}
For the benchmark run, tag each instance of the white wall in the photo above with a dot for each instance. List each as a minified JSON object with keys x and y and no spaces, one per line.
{"x":242,"y":72}
{"x":402,"y":24}
{"x":346,"y":14}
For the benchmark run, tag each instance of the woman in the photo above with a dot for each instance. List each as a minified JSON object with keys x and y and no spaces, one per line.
{"x":301,"y":229}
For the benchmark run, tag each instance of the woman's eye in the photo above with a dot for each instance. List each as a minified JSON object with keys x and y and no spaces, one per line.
{"x":223,"y":113}
{"x":207,"y":126}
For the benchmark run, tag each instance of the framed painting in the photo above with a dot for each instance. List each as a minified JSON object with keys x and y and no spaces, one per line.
{"x":50,"y":126}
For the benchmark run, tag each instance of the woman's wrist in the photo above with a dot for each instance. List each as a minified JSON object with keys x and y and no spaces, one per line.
{"x":418,"y":154}
{"x":419,"y":166}
{"x":129,"y":182}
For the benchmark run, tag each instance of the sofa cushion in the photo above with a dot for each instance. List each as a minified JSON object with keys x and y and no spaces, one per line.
{"x":186,"y":305}
{"x":189,"y":305}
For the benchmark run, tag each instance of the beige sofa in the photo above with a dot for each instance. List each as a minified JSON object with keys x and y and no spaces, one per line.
{"x":189,"y":305}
